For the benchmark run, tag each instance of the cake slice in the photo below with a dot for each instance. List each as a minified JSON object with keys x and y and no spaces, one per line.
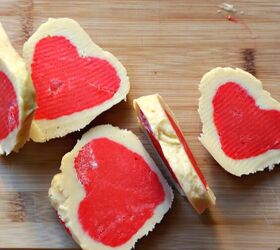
{"x":240,"y":121}
{"x":17,"y":98}
{"x":109,"y":192}
{"x":75,"y":80}
{"x":159,"y":123}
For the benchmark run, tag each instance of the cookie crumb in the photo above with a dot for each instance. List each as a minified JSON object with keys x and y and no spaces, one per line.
{"x":227,"y":7}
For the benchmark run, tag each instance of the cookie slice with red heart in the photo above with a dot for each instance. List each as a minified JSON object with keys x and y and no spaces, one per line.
{"x":241,"y":121}
{"x":109,"y":193}
{"x":161,"y":127}
{"x":17,"y":98}
{"x":75,"y":80}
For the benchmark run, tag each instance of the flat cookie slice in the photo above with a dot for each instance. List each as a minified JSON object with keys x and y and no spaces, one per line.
{"x":75,"y":80}
{"x":17,"y":98}
{"x":109,"y":193}
{"x":241,"y":121}
{"x":159,"y":123}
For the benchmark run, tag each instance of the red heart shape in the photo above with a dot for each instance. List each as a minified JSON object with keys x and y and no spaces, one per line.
{"x":245,"y":130}
{"x":65,"y":82}
{"x":9,"y":113}
{"x":121,"y":191}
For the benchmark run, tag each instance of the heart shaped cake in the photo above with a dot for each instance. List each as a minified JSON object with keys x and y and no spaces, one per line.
{"x":17,"y":98}
{"x":241,"y":121}
{"x":109,"y":192}
{"x":75,"y":80}
{"x":161,"y":127}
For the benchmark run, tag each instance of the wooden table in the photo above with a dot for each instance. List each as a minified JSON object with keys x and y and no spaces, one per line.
{"x":166,"y":47}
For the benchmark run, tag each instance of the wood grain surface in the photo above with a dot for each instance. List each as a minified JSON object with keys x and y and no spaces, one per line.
{"x":166,"y":47}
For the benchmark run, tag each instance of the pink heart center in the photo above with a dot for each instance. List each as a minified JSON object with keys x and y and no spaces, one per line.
{"x":65,"y":82}
{"x":9,"y":113}
{"x":122,"y":191}
{"x":245,"y":130}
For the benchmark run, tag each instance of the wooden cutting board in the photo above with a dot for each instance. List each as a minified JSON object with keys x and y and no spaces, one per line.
{"x":166,"y":47}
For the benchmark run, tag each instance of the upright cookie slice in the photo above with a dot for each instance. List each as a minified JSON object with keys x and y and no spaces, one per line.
{"x":75,"y":80}
{"x":159,"y":123}
{"x":241,"y":121}
{"x":17,"y":98}
{"x":109,"y":192}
